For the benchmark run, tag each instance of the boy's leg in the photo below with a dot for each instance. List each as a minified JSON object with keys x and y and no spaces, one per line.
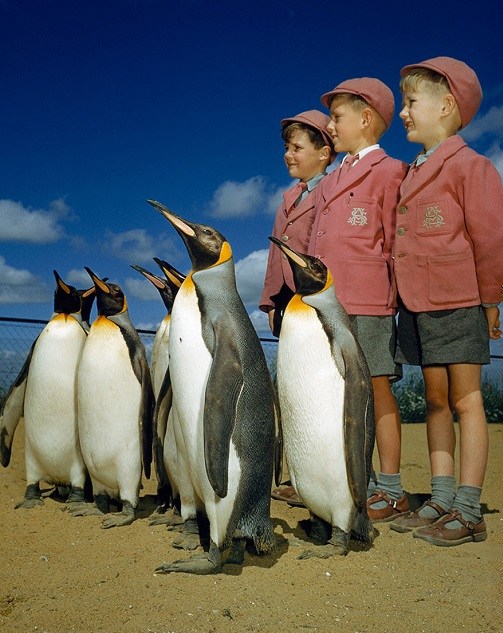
{"x":464,"y":523}
{"x":386,"y":499}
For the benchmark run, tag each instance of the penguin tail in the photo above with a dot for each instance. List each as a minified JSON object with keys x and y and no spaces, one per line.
{"x":363,"y":530}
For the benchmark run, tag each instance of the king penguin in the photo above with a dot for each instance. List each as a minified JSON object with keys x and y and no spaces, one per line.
{"x":223,"y":395}
{"x":165,"y":451}
{"x":45,"y":393}
{"x":115,"y":403}
{"x":326,"y":400}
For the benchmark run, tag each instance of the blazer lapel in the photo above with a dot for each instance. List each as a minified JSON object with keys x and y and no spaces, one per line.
{"x":418,"y":177}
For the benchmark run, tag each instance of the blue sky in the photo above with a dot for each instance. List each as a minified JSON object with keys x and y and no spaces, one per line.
{"x":105,"y":104}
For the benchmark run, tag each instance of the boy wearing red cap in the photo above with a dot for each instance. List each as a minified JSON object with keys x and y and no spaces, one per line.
{"x":449,"y":274}
{"x":353,"y":236}
{"x":308,"y":152}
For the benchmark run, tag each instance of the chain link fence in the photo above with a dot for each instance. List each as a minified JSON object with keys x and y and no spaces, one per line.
{"x":17,"y":337}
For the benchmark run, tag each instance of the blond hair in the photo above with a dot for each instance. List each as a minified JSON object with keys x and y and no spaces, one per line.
{"x":358,"y":104}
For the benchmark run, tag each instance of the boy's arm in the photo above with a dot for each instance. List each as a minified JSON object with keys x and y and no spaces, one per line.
{"x":482,"y":199}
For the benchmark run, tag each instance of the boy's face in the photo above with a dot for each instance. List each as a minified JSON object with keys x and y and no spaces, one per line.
{"x":345,"y":128}
{"x":302,"y":159}
{"x":421,"y":114}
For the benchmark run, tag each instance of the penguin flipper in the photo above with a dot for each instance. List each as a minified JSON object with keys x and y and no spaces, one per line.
{"x":278,"y":439}
{"x":161,"y":414}
{"x":13,"y":409}
{"x":146,"y":418}
{"x":223,"y":389}
{"x":359,"y":424}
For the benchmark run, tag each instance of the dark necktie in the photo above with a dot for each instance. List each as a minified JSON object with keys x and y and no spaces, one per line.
{"x":292,"y":195}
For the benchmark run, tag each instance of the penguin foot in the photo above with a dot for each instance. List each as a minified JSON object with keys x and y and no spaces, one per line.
{"x":27,"y":504}
{"x":202,"y":564}
{"x":126,"y":517}
{"x":83,"y":510}
{"x":323,"y":551}
{"x":170,"y":518}
{"x":187,"y":542}
{"x":32,"y":497}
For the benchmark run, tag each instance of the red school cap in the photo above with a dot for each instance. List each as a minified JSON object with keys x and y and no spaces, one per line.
{"x":316,"y":120}
{"x":373,"y":91}
{"x":462,"y":80}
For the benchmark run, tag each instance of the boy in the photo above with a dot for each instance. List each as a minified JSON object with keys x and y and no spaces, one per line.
{"x":353,"y":235}
{"x":449,"y":272}
{"x":308,"y":152}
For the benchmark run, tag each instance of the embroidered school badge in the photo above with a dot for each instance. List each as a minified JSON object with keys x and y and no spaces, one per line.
{"x":358,"y":217}
{"x":433,"y":218}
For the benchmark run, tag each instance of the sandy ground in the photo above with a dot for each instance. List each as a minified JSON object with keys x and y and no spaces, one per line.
{"x":60,"y":574}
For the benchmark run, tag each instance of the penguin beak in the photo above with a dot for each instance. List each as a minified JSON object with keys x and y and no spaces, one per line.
{"x":290,"y":253}
{"x":176,"y":221}
{"x":61,"y":283}
{"x":89,"y":292}
{"x":157,"y":281}
{"x":97,"y":281}
{"x":171,"y":273}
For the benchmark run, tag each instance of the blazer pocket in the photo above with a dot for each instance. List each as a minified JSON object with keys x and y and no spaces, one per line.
{"x":452,"y":278}
{"x":367,"y":281}
{"x":357,"y":217}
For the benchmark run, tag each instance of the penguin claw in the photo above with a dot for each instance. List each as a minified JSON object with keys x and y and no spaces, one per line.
{"x":187,"y":542}
{"x":117,"y":520}
{"x":199,"y":564}
{"x":324,"y":551}
{"x":27,"y":504}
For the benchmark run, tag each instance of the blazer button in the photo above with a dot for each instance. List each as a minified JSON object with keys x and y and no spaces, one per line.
{"x":285,"y":238}
{"x":402,"y":209}
{"x":319,"y":233}
{"x":325,"y":211}
{"x":400,"y":231}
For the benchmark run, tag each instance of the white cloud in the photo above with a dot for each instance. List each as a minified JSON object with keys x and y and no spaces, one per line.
{"x":78,"y":278}
{"x":490,"y":123}
{"x":40,"y":226}
{"x":137,"y":246}
{"x":254,"y":196}
{"x":142,"y":289}
{"x":250,"y":274}
{"x":260,"y":322}
{"x":20,"y":286}
{"x":495,"y":154}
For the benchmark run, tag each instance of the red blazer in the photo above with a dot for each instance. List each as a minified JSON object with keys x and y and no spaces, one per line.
{"x":354,"y":230}
{"x":295,"y":230}
{"x":449,"y":246}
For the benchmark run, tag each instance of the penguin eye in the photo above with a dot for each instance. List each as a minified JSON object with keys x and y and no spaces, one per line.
{"x":207,"y":231}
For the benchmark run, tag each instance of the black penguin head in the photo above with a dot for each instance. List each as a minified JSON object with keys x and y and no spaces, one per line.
{"x":87,"y":296}
{"x":309,"y":273}
{"x":66,"y":298}
{"x":161,"y":284}
{"x":173,"y":276}
{"x":110,"y":299}
{"x":206,"y":246}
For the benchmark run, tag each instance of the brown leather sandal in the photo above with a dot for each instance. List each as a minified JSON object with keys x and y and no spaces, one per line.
{"x":413,"y":520}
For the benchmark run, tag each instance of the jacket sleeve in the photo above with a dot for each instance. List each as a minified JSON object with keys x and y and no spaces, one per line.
{"x":482,"y":199}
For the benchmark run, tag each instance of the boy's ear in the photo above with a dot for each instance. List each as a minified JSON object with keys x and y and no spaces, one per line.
{"x":324,"y":152}
{"x":367,"y":116}
{"x":448,"y":104}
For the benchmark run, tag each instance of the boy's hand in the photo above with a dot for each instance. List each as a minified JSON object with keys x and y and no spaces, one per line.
{"x":493,"y":319}
{"x":271,"y":320}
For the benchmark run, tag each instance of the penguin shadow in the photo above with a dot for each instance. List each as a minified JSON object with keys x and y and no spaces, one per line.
{"x":147,"y":506}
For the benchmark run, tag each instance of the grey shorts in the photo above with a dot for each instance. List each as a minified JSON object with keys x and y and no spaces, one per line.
{"x":377,"y":338}
{"x":443,"y":337}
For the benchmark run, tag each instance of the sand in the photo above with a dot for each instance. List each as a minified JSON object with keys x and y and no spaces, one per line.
{"x":61,"y":574}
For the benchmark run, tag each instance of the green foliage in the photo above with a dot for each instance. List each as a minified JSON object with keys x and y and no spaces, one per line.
{"x":409,"y":394}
